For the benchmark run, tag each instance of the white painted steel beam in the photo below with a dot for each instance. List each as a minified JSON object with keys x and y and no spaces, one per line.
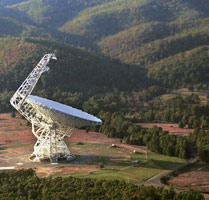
{"x":51,"y":121}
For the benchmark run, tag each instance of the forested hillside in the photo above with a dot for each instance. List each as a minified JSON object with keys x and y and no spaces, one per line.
{"x":118,"y":15}
{"x":183,"y":69}
{"x":54,"y":13}
{"x":163,"y":43}
{"x":137,"y":32}
{"x":147,"y":43}
{"x":75,"y":70}
{"x":150,"y":46}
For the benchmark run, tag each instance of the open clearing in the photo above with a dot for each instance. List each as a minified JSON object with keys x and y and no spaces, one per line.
{"x":172,"y":128}
{"x":16,"y":145}
{"x":197,"y":177}
{"x":185,"y":92}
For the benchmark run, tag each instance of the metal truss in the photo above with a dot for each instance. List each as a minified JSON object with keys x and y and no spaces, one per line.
{"x":50,"y":136}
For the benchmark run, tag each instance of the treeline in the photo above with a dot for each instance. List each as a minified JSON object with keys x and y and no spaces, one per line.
{"x":119,"y":124}
{"x":160,"y":141}
{"x":188,"y":112}
{"x":200,"y":141}
{"x":157,"y":140}
{"x":4,"y":101}
{"x":24,"y":184}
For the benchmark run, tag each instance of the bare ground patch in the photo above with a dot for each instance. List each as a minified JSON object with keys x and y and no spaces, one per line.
{"x":197,"y":178}
{"x":171,"y":128}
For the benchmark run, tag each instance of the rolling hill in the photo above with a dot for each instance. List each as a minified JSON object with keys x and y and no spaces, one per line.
{"x":141,"y":33}
{"x":53,"y":13}
{"x":12,"y":27}
{"x":117,"y":15}
{"x":182,"y":70}
{"x":149,"y":43}
{"x":75,"y":70}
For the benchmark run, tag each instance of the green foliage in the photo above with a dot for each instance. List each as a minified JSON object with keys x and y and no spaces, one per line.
{"x":24,"y":184}
{"x":188,"y":112}
{"x":54,"y":13}
{"x":75,"y":70}
{"x":117,"y":15}
{"x":151,"y":42}
{"x":150,"y":33}
{"x":101,"y":165}
{"x":200,"y":141}
{"x":13,"y":114}
{"x":192,"y":194}
{"x":12,"y":27}
{"x":182,"y":70}
{"x":161,"y":142}
{"x":4,"y":101}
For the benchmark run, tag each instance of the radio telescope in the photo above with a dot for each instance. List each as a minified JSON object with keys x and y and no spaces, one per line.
{"x":51,"y":121}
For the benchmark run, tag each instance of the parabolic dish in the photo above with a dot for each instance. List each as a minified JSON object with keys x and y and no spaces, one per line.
{"x":61,"y":114}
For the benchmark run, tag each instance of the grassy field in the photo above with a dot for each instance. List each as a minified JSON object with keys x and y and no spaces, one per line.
{"x":92,"y":149}
{"x":119,"y":163}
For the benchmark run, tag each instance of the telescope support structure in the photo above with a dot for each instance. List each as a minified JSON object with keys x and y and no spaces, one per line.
{"x":50,"y":139}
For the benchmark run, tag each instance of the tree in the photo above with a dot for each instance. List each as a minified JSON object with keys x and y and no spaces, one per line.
{"x":203,"y":153}
{"x":181,"y":124}
{"x":101,"y":165}
{"x":13,"y":114}
{"x":190,"y":195}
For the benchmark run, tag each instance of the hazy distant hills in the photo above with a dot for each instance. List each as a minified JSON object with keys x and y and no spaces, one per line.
{"x":54,"y":13}
{"x":10,"y":2}
{"x":147,"y":33}
{"x":148,"y":43}
{"x":118,"y":15}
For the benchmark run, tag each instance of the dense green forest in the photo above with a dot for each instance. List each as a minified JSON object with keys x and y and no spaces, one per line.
{"x":24,"y":184}
{"x":75,"y":70}
{"x":94,"y":21}
{"x":164,"y":36}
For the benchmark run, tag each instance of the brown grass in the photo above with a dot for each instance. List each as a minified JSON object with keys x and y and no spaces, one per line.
{"x":18,"y":141}
{"x":196,"y":178}
{"x":171,"y":128}
{"x":14,"y":130}
{"x":91,"y":137}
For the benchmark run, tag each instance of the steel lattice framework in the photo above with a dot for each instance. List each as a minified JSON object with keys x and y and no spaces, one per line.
{"x":49,"y":126}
